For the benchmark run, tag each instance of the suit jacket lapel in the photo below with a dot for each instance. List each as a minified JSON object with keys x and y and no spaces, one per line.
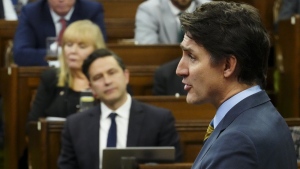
{"x":247,"y":103}
{"x":49,"y":29}
{"x":76,"y":13}
{"x":92,"y":132}
{"x":135,"y":123}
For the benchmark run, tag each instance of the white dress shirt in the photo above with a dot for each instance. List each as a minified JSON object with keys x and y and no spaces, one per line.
{"x":9,"y":11}
{"x":122,"y":120}
{"x":58,"y":27}
{"x":56,"y":19}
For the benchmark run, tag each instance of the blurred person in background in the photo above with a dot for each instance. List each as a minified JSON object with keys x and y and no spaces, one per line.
{"x":49,"y":18}
{"x":157,"y":21}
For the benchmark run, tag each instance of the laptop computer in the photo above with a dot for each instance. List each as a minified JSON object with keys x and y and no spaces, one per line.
{"x":114,"y":158}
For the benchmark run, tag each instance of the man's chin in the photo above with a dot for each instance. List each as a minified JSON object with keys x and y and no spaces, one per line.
{"x":192,"y":99}
{"x":189,"y":99}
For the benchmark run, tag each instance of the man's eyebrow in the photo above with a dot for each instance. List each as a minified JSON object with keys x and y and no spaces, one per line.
{"x":185,"y":48}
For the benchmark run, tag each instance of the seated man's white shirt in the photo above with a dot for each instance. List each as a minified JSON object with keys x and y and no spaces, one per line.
{"x":9,"y":11}
{"x":122,"y":121}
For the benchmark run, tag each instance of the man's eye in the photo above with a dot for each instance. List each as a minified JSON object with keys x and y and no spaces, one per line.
{"x":191,"y":56}
{"x":97,"y":77}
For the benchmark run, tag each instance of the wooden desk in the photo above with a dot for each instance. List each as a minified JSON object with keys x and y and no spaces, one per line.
{"x":145,"y":55}
{"x":44,"y":142}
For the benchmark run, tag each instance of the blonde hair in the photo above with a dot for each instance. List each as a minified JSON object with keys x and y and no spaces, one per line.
{"x":82,"y":31}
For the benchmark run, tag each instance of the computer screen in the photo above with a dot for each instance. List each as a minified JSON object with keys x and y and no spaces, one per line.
{"x":112,"y":156}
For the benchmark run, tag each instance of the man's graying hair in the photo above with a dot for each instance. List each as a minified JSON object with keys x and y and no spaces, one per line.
{"x":228,"y":28}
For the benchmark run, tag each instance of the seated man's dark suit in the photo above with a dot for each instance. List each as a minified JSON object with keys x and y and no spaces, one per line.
{"x":148,"y":126}
{"x":36,"y":24}
{"x":166,"y":82}
{"x":242,"y":139}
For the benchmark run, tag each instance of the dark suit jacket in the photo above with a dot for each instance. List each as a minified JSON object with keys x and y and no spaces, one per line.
{"x":166,"y":82}
{"x":36,"y":24}
{"x":51,"y":100}
{"x":288,"y":9}
{"x":148,"y":126}
{"x":252,"y":135}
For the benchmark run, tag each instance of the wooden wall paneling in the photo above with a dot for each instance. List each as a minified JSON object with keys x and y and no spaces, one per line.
{"x":16,"y":89}
{"x":120,"y":8}
{"x":289,"y":80}
{"x":180,"y":108}
{"x":9,"y":96}
{"x":7,"y":31}
{"x":141,"y":79}
{"x":146,"y":55}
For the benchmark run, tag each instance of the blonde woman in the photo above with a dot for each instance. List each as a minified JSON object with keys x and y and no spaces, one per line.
{"x":59,"y":90}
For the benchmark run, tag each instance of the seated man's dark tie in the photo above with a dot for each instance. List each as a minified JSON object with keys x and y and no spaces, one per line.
{"x":112,"y":133}
{"x":209,"y":130}
{"x":63,"y":23}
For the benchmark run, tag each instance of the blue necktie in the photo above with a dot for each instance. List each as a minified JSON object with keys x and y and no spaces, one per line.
{"x":112,"y":133}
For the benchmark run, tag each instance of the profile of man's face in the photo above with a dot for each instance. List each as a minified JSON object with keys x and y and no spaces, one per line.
{"x":61,"y":7}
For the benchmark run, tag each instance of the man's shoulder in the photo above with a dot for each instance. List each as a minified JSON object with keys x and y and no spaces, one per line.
{"x":81,"y":116}
{"x":35,"y":5}
{"x":84,"y":4}
{"x":35,"y":11}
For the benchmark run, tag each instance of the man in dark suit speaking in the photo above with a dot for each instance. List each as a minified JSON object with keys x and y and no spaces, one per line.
{"x":224,"y":62}
{"x":86,"y":134}
{"x":46,"y":18}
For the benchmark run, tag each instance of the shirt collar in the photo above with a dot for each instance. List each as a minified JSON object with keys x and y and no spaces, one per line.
{"x":56,"y":17}
{"x":228,"y":104}
{"x":177,"y":11}
{"x":122,"y":111}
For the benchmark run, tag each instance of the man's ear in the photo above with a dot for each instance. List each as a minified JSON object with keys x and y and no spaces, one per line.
{"x":230,"y":65}
{"x":127,"y":75}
